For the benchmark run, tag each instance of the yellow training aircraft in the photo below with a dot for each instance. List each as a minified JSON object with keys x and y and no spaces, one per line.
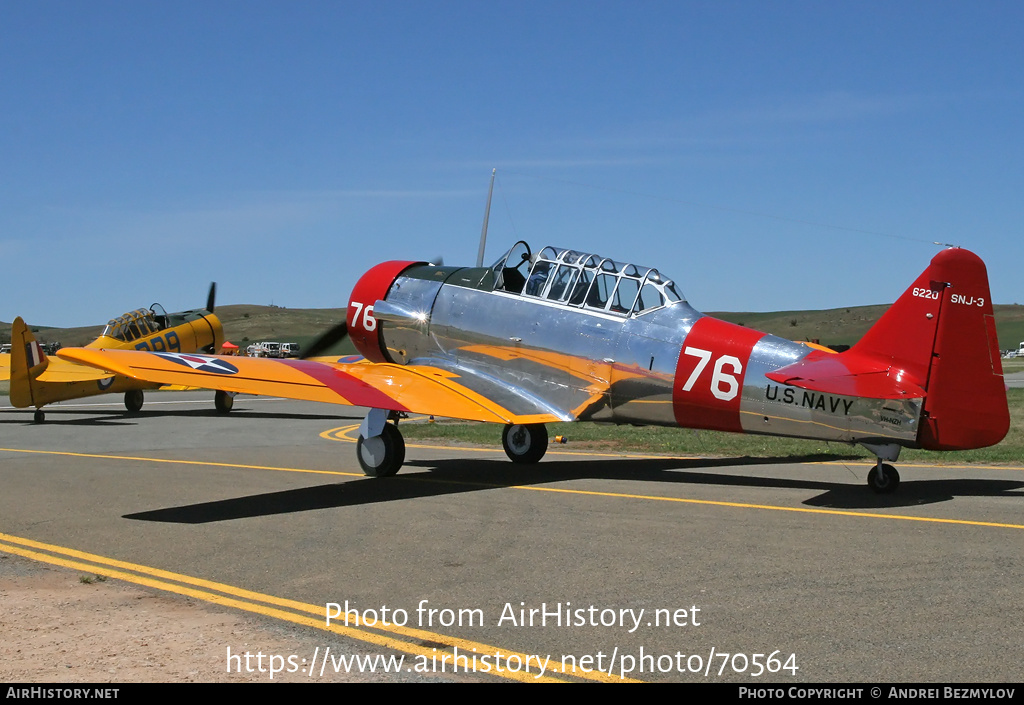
{"x":37,"y":380}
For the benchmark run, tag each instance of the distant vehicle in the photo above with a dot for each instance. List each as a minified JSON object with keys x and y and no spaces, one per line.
{"x":289,"y":349}
{"x":269,"y":349}
{"x":5,"y":348}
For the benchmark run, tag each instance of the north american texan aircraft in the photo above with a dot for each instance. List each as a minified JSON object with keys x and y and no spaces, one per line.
{"x":563,"y":335}
{"x":37,"y":380}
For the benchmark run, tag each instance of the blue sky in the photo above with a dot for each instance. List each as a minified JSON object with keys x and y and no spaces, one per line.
{"x":764,"y":155}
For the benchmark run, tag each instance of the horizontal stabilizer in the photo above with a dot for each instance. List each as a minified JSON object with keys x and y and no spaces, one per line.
{"x":848,"y":375}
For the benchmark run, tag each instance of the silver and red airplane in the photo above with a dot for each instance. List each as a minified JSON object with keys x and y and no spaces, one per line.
{"x":562,"y":335}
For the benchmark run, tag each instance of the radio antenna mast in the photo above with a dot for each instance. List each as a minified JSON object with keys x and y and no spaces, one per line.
{"x":487,"y":216}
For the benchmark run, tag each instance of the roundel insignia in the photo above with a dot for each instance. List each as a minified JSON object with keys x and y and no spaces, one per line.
{"x":203,"y":363}
{"x":105,"y":383}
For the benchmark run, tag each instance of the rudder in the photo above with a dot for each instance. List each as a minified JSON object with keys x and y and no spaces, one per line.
{"x":941,"y":333}
{"x":28,"y":361}
{"x":966,"y":406}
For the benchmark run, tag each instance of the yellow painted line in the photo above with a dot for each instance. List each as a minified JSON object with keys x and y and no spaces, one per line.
{"x":206,"y":463}
{"x":741,"y":505}
{"x":684,"y":500}
{"x":341,"y":433}
{"x":248,"y":600}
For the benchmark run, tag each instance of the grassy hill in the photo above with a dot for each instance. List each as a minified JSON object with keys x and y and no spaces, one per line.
{"x":244,"y":323}
{"x":837,"y":326}
{"x":845,"y":326}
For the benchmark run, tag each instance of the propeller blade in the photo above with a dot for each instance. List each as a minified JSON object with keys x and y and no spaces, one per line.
{"x":333,"y":336}
{"x":211,"y":297}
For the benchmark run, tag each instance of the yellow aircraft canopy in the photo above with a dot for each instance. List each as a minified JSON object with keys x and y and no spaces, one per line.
{"x":134,"y":324}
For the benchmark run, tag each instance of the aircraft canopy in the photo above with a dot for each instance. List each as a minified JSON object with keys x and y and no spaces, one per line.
{"x":583,"y":280}
{"x":134,"y":324}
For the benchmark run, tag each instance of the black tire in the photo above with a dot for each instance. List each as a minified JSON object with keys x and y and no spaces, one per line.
{"x":885,"y":482}
{"x":133,"y":400}
{"x":525,"y":443}
{"x":39,"y":416}
{"x":223,"y":402}
{"x":381,"y":456}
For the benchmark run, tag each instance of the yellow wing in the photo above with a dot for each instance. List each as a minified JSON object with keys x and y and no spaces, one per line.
{"x":56,"y":371}
{"x":418,"y":389}
{"x":64,"y":371}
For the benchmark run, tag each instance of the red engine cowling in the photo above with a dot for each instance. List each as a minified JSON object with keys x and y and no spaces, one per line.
{"x":371,"y":287}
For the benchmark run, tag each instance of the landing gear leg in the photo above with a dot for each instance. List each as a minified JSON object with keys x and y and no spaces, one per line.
{"x":133,"y":400}
{"x":525,"y":443}
{"x":883,"y":478}
{"x":380,"y":448}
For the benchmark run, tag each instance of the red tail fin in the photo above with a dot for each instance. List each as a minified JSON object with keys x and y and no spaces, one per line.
{"x":941,"y":332}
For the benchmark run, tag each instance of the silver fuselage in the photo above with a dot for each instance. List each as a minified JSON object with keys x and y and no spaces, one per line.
{"x":637,"y":368}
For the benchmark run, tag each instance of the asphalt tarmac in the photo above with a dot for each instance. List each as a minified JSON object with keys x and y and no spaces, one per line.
{"x":1014,"y":379}
{"x":651,"y":569}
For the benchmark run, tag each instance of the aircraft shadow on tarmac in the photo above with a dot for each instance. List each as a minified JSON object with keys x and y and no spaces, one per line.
{"x":451,"y":477}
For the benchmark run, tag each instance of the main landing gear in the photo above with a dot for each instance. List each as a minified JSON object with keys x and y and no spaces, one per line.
{"x":223,"y":401}
{"x":133,"y":400}
{"x":525,"y":443}
{"x":380,"y":448}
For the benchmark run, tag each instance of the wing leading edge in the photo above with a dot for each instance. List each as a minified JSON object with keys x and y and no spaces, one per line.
{"x":419,"y":389}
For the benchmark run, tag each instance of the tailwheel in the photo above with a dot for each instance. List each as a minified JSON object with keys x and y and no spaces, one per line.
{"x":883,"y":478}
{"x":39,"y":416}
{"x":133,"y":400}
{"x":383,"y":455}
{"x":223,"y":401}
{"x":525,"y":443}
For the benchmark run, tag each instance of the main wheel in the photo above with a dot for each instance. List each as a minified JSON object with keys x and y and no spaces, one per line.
{"x":383,"y":455}
{"x":525,"y":443}
{"x":883,"y":482}
{"x":39,"y":416}
{"x":223,"y":401}
{"x":133,"y":400}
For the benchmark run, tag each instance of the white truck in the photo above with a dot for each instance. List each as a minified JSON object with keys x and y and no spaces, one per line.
{"x":264,"y":349}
